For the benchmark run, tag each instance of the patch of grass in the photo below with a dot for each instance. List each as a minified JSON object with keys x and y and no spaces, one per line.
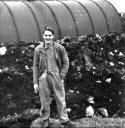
{"x":100,"y":123}
{"x":30,"y":119}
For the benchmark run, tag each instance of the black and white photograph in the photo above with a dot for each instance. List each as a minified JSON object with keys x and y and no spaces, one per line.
{"x":62,"y":63}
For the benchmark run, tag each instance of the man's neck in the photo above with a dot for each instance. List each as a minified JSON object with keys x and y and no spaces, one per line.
{"x":48,"y":44}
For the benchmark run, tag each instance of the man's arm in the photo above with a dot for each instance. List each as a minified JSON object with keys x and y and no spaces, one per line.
{"x":65,"y":63}
{"x":35,"y":70}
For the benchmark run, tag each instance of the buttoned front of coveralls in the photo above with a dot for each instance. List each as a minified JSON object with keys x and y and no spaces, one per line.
{"x":50,"y":83}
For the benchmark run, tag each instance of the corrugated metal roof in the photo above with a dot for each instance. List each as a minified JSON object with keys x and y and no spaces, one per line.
{"x":21,"y":20}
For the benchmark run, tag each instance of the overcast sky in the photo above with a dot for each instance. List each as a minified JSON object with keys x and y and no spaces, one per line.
{"x":118,"y":4}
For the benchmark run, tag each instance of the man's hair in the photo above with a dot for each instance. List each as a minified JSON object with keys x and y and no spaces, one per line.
{"x":48,"y":28}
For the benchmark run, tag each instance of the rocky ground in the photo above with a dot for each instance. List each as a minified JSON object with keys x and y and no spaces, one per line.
{"x":30,"y":119}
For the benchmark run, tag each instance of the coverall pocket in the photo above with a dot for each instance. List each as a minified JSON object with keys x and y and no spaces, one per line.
{"x":42,"y":81}
{"x":42,"y":76}
{"x":59,"y":80}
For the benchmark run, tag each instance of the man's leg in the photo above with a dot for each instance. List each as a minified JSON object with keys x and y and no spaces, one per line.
{"x":58,"y":88}
{"x":45,"y":99}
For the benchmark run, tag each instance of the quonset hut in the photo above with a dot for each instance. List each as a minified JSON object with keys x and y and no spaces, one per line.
{"x":25,"y":21}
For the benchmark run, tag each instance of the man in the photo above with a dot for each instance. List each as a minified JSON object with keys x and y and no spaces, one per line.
{"x":50,"y":66}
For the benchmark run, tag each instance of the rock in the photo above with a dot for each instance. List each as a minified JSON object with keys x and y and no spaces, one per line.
{"x":90,"y":100}
{"x":103,"y":112}
{"x":89,"y":111}
{"x":38,"y":123}
{"x":30,"y":114}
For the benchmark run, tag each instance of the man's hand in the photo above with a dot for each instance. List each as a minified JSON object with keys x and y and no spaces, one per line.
{"x":36,"y":88}
{"x":62,"y":76}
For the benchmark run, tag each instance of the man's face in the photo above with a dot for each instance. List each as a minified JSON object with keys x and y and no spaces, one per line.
{"x":48,"y":37}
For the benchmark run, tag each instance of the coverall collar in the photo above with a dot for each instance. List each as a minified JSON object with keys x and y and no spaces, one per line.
{"x":49,"y":46}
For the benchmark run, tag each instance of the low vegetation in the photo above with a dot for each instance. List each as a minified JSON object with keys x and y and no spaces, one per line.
{"x":97,"y":68}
